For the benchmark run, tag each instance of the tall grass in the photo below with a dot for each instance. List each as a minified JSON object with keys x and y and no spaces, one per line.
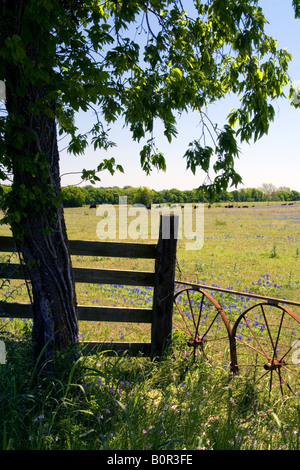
{"x":116,"y":403}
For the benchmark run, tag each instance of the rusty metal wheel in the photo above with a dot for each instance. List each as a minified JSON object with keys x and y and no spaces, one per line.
{"x":267,"y":337}
{"x":204,"y":326}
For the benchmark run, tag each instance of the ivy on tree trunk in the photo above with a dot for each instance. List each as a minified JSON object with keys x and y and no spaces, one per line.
{"x":37,"y":223}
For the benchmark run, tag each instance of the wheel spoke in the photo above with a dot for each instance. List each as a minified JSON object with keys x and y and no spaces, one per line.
{"x":267,"y":324}
{"x":282,"y":379}
{"x":290,"y":371}
{"x":199,"y":316}
{"x":184,"y":319}
{"x":263,"y":352}
{"x":278,"y":336}
{"x":191,"y":307}
{"x":252,"y":347}
{"x":209,"y":327}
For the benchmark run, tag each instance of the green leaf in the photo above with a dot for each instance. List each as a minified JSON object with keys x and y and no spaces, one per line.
{"x":296,"y":4}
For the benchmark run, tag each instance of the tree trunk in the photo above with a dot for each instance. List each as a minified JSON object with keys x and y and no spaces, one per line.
{"x":41,"y":238}
{"x":37,"y":219}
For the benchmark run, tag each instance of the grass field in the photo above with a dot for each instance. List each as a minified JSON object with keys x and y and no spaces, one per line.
{"x":118,"y":403}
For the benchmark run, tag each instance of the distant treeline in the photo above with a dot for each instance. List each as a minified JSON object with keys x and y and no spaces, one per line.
{"x":74,"y":196}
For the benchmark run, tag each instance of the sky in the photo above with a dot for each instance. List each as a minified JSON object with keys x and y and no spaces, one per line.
{"x":273,"y":159}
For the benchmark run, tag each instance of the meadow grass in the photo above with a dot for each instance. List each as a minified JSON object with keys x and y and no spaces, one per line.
{"x":113,"y":403}
{"x":176,"y":403}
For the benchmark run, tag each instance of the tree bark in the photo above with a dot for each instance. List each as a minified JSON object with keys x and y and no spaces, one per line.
{"x":37,"y":215}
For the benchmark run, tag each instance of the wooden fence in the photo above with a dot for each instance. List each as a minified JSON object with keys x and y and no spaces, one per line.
{"x":161,"y":279}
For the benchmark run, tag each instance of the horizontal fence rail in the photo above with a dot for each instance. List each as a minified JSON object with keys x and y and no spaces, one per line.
{"x":95,"y":248}
{"x":90,"y":276}
{"x":159,"y":316}
{"x":85,"y":313}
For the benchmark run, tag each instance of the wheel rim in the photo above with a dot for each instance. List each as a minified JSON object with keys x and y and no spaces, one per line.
{"x":267,"y":343}
{"x":205,"y":327}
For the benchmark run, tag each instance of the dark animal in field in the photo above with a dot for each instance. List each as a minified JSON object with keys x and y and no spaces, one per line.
{"x":93,"y":206}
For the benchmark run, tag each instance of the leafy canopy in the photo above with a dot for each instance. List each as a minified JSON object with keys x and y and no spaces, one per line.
{"x":145,"y":61}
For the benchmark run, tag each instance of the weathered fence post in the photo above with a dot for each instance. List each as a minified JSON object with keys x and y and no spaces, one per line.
{"x":165,"y":263}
